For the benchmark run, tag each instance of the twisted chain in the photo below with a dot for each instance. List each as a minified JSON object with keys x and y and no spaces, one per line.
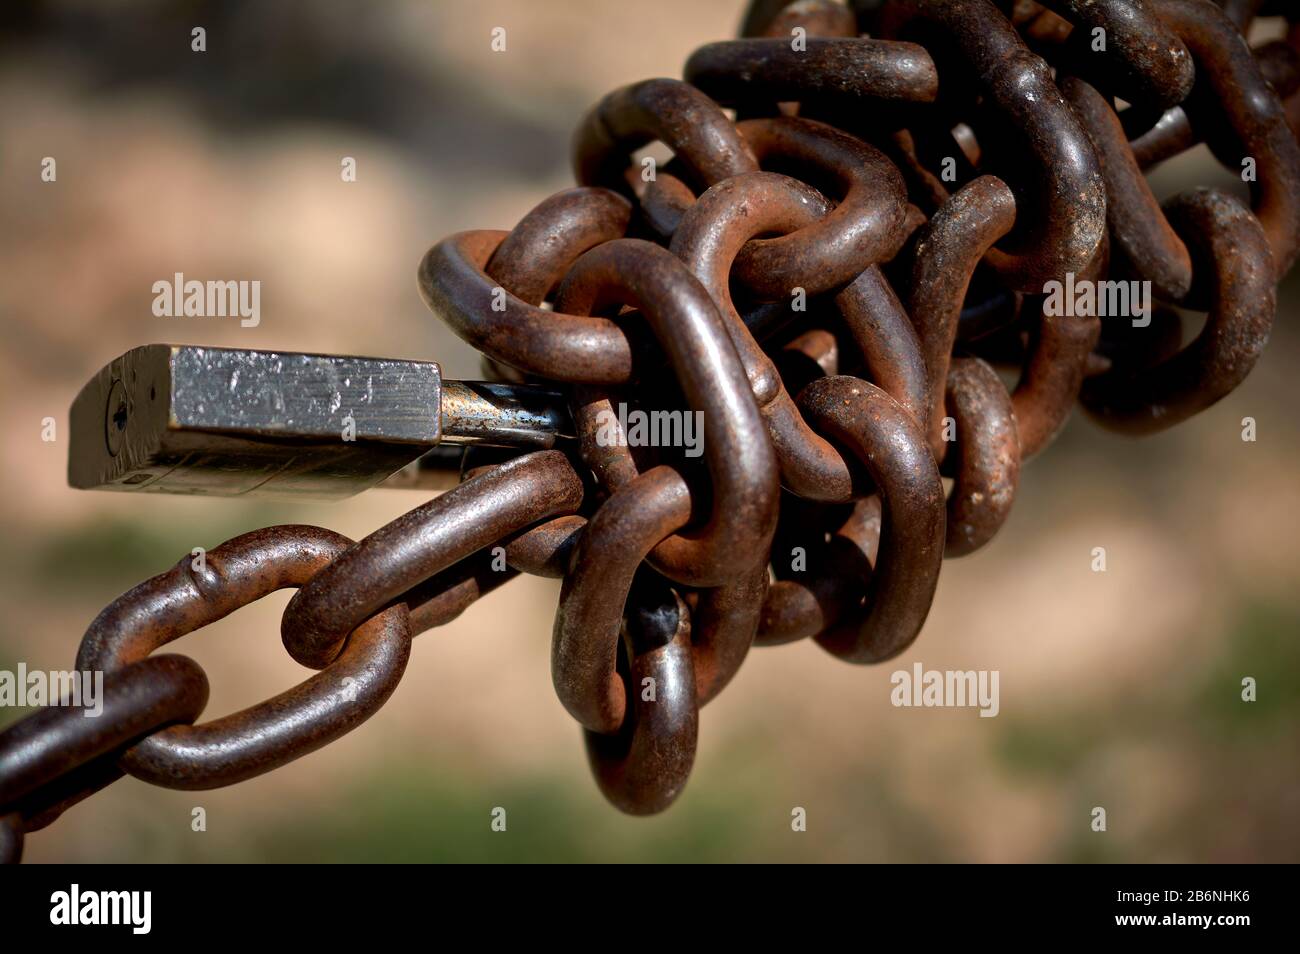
{"x":829,"y":283}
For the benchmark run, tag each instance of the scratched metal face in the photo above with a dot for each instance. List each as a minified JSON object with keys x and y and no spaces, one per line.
{"x":223,"y":422}
{"x":305,"y":395}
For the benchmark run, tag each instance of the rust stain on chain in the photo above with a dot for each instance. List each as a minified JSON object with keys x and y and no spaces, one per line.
{"x":828,"y":282}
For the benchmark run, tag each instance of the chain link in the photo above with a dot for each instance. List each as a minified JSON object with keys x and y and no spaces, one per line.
{"x":830,"y":280}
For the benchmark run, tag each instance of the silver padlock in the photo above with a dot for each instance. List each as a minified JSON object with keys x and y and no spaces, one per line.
{"x":184,"y":419}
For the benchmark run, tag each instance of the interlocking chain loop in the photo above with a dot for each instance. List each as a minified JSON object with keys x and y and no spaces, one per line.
{"x":833,"y":281}
{"x":272,"y":733}
{"x":643,"y":767}
{"x":867,"y":225}
{"x":457,"y":288}
{"x":1060,"y":192}
{"x":700,"y":135}
{"x":740,"y":460}
{"x":55,"y":744}
{"x":403,"y":554}
{"x":708,"y":239}
{"x":890,"y":445}
{"x":1232,"y":252}
{"x":584,"y":653}
{"x":1143,"y":59}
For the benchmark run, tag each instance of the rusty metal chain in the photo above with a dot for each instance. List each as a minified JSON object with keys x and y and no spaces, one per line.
{"x":831,"y":280}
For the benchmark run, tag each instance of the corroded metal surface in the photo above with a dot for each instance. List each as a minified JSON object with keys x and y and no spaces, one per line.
{"x":825,"y":284}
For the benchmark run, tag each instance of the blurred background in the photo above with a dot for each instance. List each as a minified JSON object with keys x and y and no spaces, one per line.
{"x":1118,"y":689}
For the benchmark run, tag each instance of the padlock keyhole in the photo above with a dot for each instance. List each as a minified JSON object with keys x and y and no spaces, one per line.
{"x":116,"y":414}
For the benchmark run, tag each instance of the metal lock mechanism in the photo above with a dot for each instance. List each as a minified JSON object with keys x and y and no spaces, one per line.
{"x":225,"y":422}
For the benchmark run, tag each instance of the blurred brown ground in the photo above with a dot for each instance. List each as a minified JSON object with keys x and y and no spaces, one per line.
{"x":1118,"y":689}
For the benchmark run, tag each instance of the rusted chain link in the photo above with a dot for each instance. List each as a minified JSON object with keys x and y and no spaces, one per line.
{"x":272,"y":733}
{"x":907,"y":198}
